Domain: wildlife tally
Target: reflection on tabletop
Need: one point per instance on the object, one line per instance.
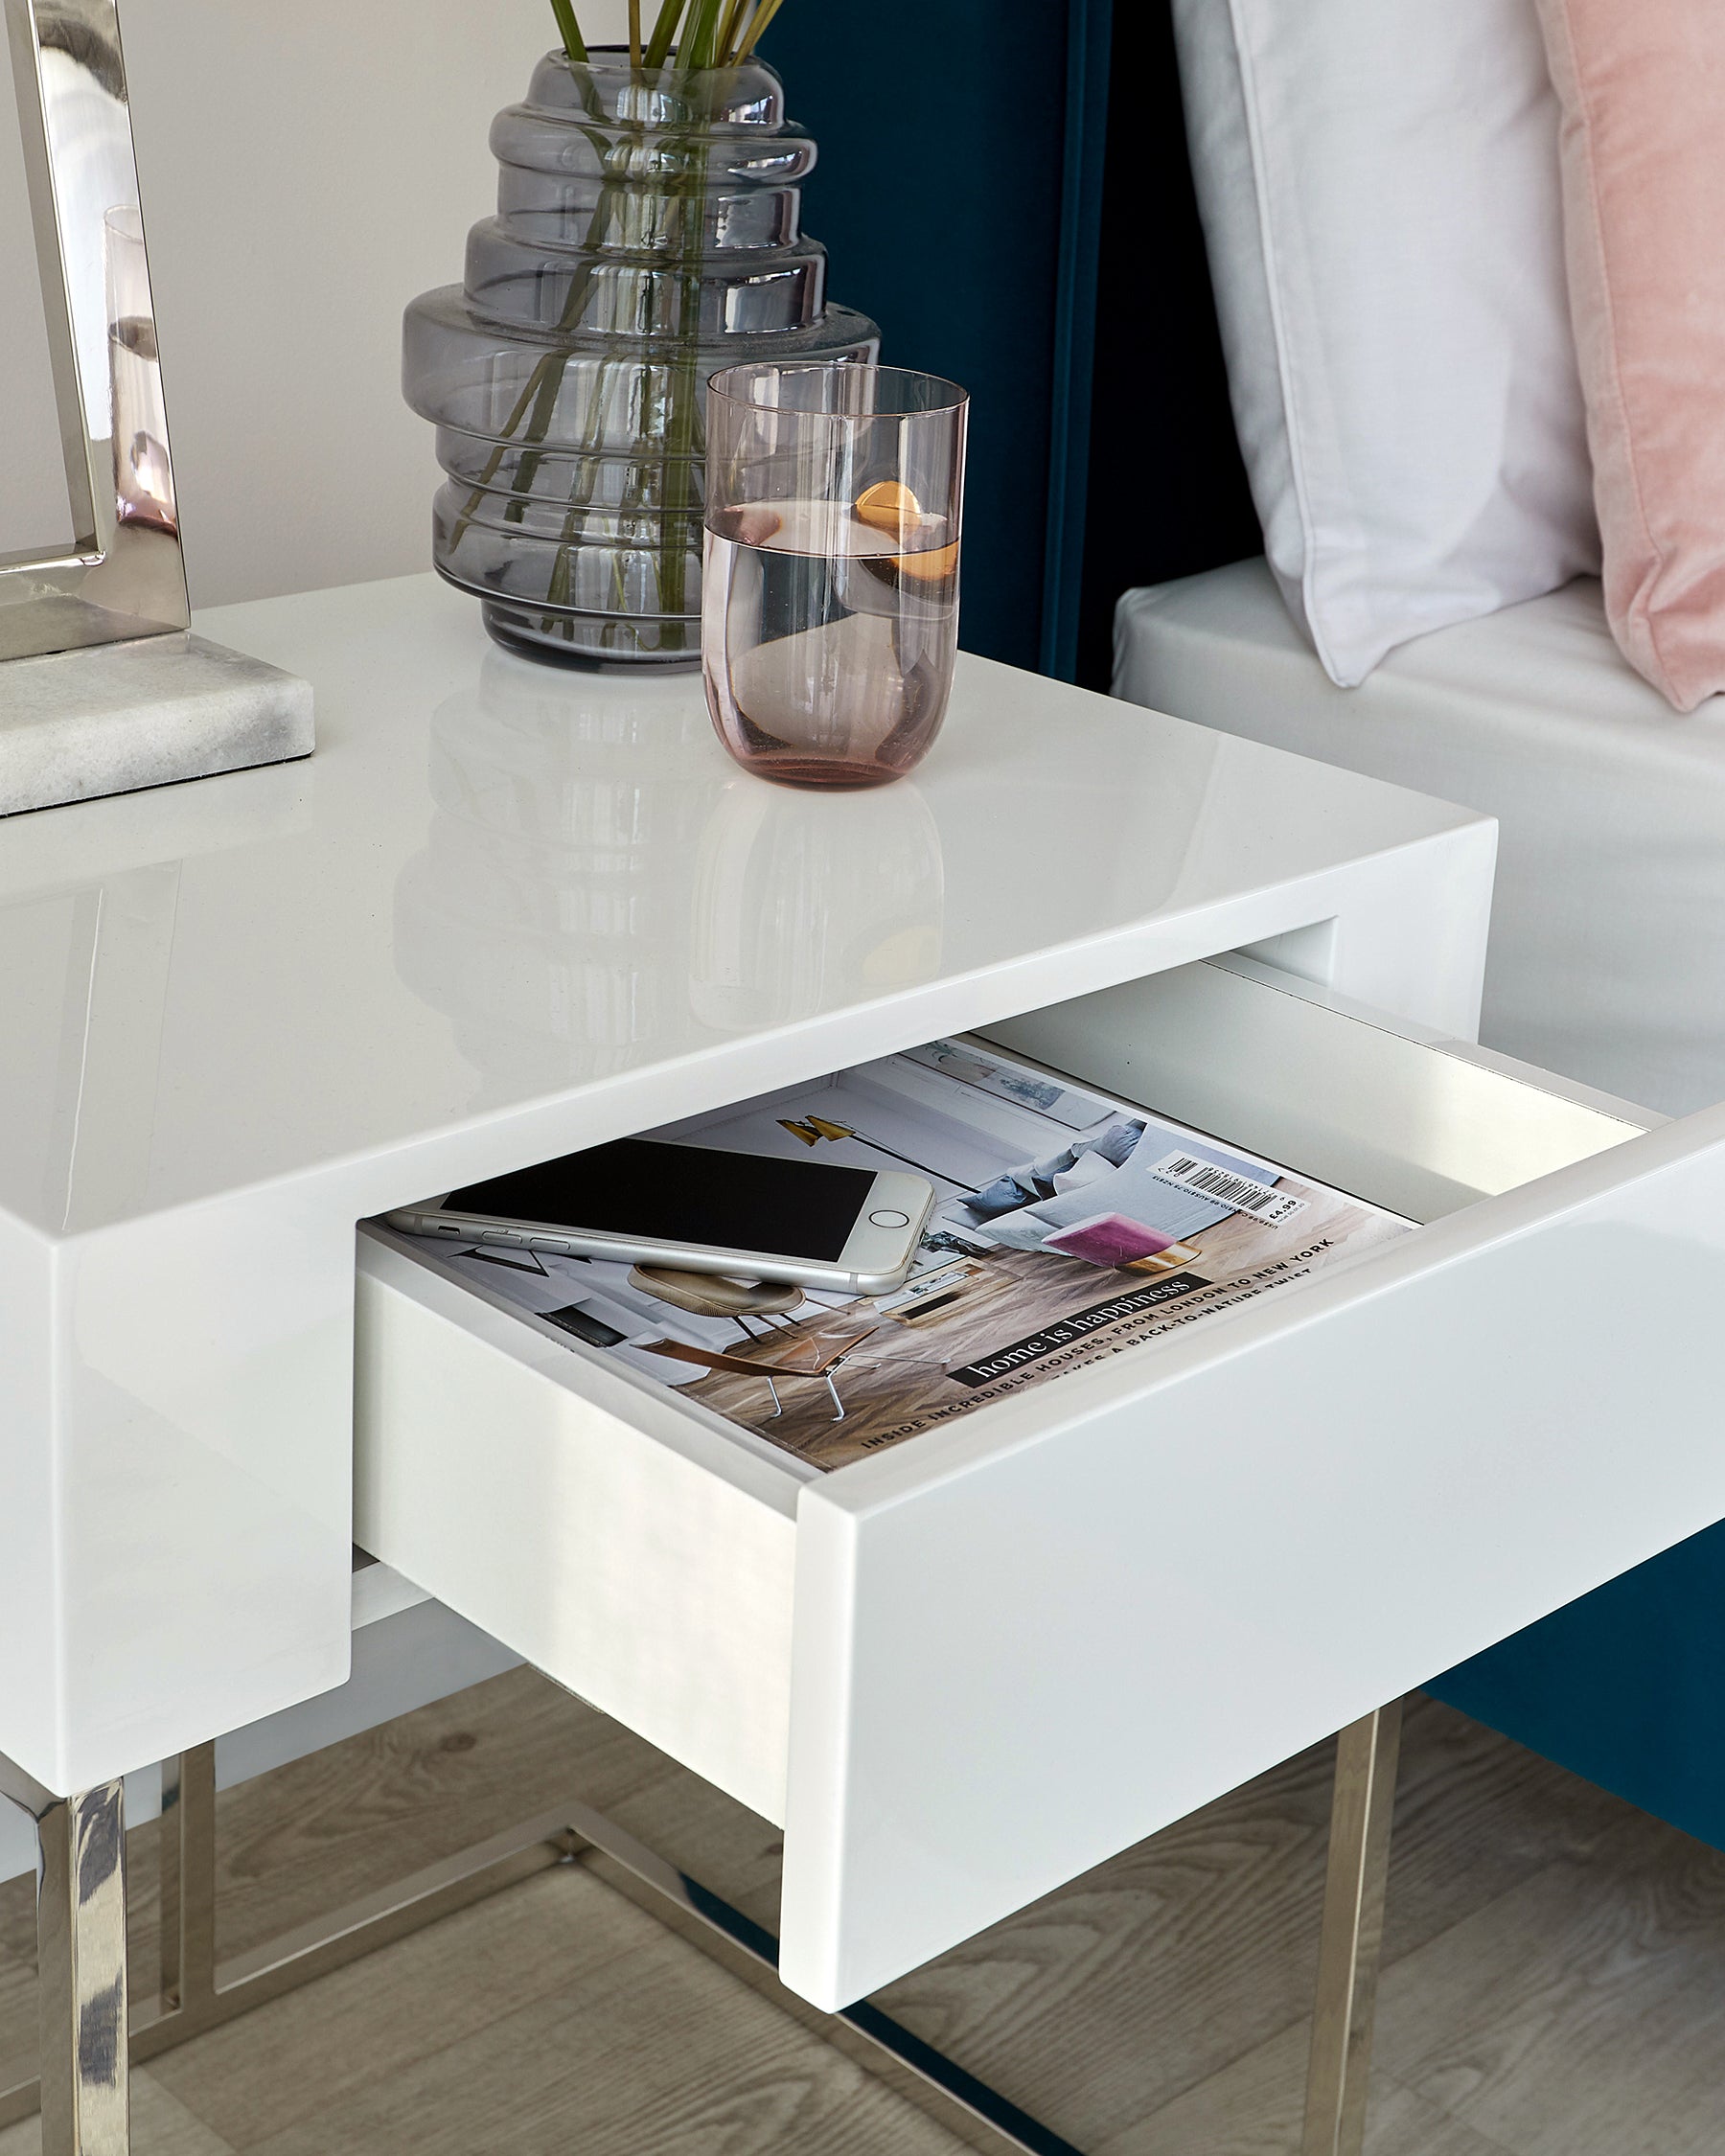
(596, 877)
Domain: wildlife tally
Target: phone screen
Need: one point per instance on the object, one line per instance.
(683, 1194)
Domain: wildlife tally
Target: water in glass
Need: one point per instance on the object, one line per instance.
(831, 630)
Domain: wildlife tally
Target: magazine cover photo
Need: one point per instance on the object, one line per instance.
(1067, 1226)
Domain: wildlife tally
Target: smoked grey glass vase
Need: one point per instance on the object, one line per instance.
(647, 233)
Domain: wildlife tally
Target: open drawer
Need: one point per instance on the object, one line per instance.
(968, 1667)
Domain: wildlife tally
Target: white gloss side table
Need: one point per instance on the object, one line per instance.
(504, 914)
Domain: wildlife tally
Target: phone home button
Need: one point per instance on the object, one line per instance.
(890, 1220)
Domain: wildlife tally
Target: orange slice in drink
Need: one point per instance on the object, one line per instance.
(888, 506)
(932, 566)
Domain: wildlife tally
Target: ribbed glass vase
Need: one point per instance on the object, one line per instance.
(647, 233)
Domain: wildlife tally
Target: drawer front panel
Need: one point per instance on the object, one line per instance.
(1022, 1647)
(630, 1571)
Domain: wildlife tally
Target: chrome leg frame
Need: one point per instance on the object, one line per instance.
(81, 1925)
(80, 1950)
(80, 1963)
(971, 2111)
(82, 2092)
(188, 1875)
(81, 1914)
(1352, 1934)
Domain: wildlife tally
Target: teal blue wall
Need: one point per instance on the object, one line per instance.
(1004, 184)
(1626, 1687)
(953, 144)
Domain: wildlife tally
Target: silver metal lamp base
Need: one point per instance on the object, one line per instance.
(78, 725)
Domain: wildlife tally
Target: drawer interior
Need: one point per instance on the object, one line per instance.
(1264, 1061)
(1238, 1050)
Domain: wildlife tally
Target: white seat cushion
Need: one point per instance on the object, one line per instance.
(1607, 956)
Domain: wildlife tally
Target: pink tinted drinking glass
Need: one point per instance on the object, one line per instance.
(830, 592)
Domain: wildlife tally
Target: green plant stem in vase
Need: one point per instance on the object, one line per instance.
(647, 234)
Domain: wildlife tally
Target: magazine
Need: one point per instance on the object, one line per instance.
(1066, 1226)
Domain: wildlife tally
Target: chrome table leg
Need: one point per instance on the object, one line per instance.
(80, 1946)
(188, 1873)
(1352, 1934)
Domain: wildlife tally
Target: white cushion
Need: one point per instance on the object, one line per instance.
(1379, 187)
(1607, 956)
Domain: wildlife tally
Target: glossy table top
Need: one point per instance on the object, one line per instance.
(497, 885)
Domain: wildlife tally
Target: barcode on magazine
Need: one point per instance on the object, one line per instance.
(1206, 1180)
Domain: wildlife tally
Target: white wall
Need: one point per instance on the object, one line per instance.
(306, 169)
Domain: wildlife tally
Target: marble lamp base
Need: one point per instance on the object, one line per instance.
(76, 726)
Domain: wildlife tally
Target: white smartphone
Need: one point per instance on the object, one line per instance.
(807, 1221)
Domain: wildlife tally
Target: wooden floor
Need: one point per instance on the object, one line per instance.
(1554, 1986)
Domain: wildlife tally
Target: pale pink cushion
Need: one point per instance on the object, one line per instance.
(1641, 84)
